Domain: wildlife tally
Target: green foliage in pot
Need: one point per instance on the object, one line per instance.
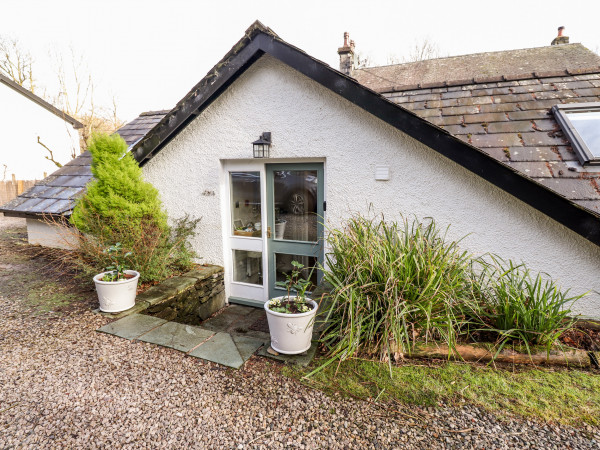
(118, 258)
(298, 285)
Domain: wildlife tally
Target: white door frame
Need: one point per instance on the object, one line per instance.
(245, 293)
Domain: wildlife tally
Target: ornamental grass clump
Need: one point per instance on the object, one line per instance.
(394, 284)
(522, 308)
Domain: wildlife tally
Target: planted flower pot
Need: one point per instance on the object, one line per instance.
(291, 333)
(117, 296)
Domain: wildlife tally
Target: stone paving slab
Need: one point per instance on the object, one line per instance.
(228, 318)
(302, 359)
(219, 349)
(177, 335)
(247, 345)
(132, 326)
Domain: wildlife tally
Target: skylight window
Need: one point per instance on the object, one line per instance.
(581, 124)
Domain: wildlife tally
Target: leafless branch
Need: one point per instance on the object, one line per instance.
(51, 157)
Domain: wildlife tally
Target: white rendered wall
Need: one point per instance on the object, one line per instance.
(22, 121)
(309, 121)
(41, 233)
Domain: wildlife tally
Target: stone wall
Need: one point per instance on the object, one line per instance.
(190, 298)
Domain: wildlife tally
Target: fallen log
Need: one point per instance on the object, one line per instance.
(570, 357)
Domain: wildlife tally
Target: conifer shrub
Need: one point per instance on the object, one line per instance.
(118, 195)
(120, 207)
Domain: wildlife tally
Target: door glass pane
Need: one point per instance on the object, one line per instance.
(245, 204)
(247, 267)
(283, 266)
(295, 194)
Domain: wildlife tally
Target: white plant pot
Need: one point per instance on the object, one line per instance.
(291, 333)
(280, 229)
(116, 296)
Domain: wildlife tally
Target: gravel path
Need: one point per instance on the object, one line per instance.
(64, 385)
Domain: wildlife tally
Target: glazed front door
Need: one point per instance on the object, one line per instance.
(295, 217)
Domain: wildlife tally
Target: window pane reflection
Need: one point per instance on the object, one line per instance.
(295, 193)
(245, 203)
(587, 125)
(247, 267)
(283, 266)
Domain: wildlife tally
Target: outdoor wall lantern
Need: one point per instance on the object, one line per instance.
(262, 147)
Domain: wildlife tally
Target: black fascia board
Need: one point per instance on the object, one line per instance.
(181, 117)
(557, 207)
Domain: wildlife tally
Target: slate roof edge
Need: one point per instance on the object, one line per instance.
(40, 101)
(571, 44)
(489, 79)
(259, 40)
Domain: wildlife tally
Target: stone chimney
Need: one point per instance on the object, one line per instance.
(347, 55)
(560, 39)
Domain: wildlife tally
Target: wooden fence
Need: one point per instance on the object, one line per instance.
(13, 188)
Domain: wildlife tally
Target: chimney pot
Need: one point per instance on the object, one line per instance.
(560, 39)
(346, 53)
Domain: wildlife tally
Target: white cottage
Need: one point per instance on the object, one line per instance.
(333, 146)
(27, 120)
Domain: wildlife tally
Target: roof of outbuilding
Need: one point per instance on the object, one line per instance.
(40, 101)
(56, 194)
(480, 68)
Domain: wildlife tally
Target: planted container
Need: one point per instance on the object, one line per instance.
(291, 333)
(117, 296)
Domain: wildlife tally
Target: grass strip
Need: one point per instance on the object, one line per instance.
(570, 397)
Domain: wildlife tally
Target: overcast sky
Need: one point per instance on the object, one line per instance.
(148, 54)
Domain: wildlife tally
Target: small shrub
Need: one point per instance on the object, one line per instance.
(393, 284)
(155, 253)
(119, 206)
(519, 306)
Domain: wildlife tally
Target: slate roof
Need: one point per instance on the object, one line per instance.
(512, 122)
(40, 101)
(480, 68)
(56, 194)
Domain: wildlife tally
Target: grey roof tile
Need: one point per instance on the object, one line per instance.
(575, 189)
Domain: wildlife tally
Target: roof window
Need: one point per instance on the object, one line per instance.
(581, 124)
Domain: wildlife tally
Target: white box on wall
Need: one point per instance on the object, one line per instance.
(382, 173)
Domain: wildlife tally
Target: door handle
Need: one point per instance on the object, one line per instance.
(268, 232)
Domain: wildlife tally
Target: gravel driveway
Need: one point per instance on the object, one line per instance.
(64, 385)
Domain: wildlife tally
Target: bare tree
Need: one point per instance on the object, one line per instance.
(16, 63)
(76, 98)
(363, 60)
(423, 49)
